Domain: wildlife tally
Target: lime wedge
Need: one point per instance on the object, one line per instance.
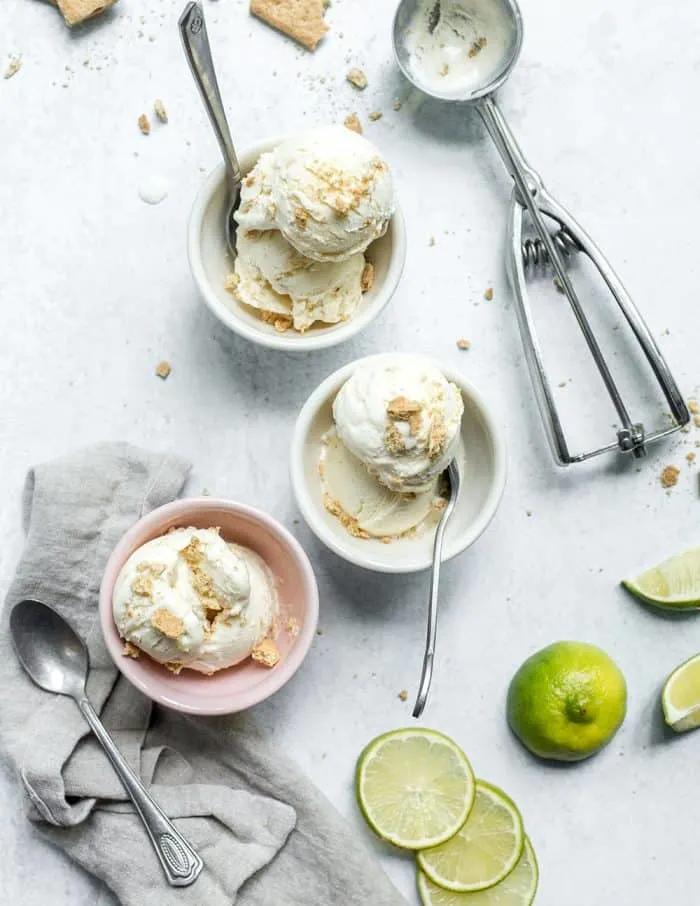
(415, 787)
(484, 850)
(516, 889)
(681, 696)
(672, 585)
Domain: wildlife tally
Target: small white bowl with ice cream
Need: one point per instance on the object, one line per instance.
(321, 242)
(369, 448)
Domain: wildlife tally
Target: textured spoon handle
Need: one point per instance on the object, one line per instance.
(179, 860)
(193, 31)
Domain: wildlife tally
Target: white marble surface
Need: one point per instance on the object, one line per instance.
(95, 290)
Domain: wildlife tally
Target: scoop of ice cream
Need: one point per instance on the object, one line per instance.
(271, 275)
(189, 599)
(401, 417)
(328, 191)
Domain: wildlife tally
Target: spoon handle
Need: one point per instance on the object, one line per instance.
(427, 671)
(180, 862)
(193, 31)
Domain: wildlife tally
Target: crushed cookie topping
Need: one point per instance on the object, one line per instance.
(301, 218)
(142, 585)
(393, 439)
(130, 650)
(351, 524)
(167, 623)
(401, 409)
(266, 653)
(367, 277)
(437, 437)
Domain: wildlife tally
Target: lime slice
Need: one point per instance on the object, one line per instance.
(681, 696)
(516, 889)
(672, 585)
(415, 787)
(484, 850)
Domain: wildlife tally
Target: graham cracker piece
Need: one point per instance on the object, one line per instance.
(130, 650)
(77, 11)
(167, 623)
(266, 653)
(300, 19)
(352, 122)
(402, 410)
(393, 440)
(367, 277)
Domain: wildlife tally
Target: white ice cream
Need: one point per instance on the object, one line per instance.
(271, 275)
(400, 417)
(190, 599)
(329, 192)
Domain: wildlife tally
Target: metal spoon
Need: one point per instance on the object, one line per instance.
(193, 31)
(453, 479)
(56, 659)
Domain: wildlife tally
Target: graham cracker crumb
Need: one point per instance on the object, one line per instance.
(477, 46)
(13, 67)
(144, 124)
(375, 115)
(669, 476)
(231, 283)
(402, 410)
(403, 695)
(352, 122)
(173, 668)
(357, 78)
(142, 585)
(691, 457)
(163, 369)
(437, 437)
(301, 218)
(488, 294)
(167, 623)
(386, 539)
(75, 12)
(694, 407)
(151, 569)
(396, 105)
(463, 344)
(393, 440)
(444, 69)
(302, 20)
(351, 524)
(131, 651)
(266, 653)
(292, 626)
(160, 111)
(696, 421)
(367, 278)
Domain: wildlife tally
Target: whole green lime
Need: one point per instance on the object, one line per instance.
(567, 701)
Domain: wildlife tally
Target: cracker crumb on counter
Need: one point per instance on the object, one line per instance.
(669, 476)
(357, 79)
(463, 344)
(397, 105)
(144, 124)
(75, 12)
(488, 293)
(375, 115)
(352, 122)
(160, 111)
(13, 67)
(691, 457)
(301, 20)
(163, 369)
(403, 695)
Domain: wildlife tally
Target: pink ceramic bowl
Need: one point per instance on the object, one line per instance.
(248, 683)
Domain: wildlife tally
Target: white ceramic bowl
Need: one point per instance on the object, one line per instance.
(211, 264)
(482, 459)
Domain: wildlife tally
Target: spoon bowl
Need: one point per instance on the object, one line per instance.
(457, 50)
(53, 655)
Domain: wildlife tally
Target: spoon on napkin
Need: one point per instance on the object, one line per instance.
(57, 660)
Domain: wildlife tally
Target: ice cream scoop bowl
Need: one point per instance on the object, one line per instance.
(463, 50)
(248, 683)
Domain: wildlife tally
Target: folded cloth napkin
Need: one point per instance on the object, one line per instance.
(267, 836)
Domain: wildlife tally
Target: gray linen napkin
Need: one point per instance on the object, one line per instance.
(267, 836)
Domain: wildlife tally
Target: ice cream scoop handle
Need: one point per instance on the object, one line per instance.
(193, 31)
(180, 862)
